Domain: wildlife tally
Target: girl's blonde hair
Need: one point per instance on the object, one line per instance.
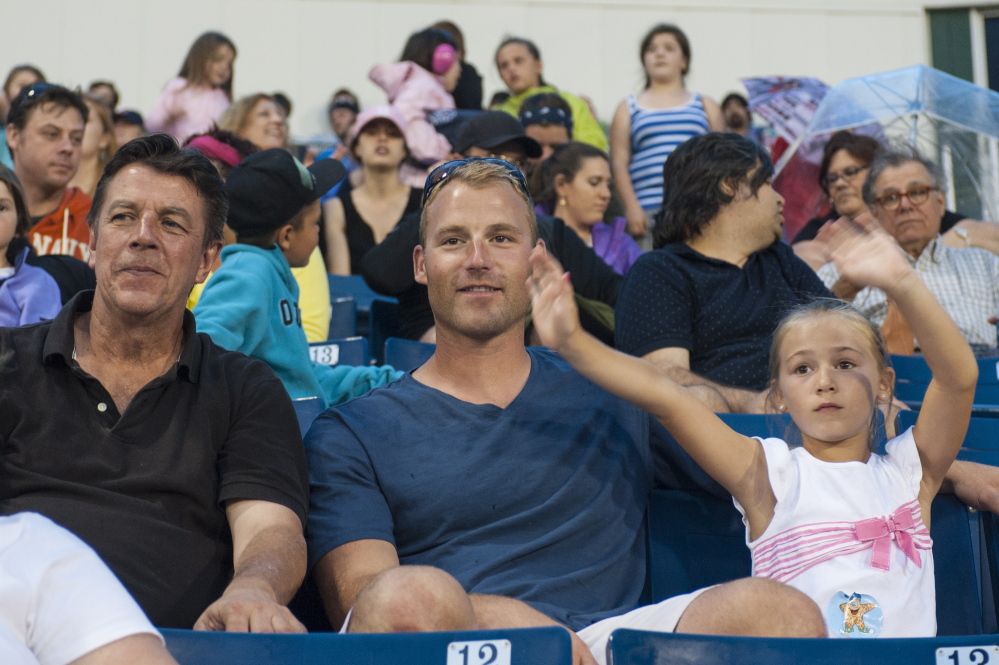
(876, 344)
(235, 117)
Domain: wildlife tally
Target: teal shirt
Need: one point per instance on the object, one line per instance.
(250, 305)
(5, 157)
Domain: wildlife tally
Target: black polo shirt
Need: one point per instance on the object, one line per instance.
(146, 488)
(723, 314)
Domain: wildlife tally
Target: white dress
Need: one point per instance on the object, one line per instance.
(850, 536)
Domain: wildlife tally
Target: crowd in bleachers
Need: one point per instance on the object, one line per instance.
(163, 275)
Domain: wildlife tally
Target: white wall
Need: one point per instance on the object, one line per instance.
(307, 48)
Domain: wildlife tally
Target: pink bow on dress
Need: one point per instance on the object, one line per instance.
(880, 531)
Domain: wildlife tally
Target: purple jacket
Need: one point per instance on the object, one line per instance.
(29, 296)
(611, 242)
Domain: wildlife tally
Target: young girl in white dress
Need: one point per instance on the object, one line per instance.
(848, 527)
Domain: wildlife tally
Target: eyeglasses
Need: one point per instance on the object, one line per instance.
(444, 171)
(847, 174)
(917, 196)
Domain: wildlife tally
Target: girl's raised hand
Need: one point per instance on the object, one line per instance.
(865, 254)
(554, 311)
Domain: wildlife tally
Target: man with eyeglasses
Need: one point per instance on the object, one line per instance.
(45, 134)
(904, 191)
(388, 266)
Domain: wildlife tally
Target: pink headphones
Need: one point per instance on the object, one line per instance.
(444, 57)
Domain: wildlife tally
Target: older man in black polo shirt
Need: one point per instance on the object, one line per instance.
(704, 305)
(179, 462)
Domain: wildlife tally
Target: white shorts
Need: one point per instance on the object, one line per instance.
(661, 617)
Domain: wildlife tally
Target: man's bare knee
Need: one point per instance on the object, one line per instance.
(753, 606)
(410, 599)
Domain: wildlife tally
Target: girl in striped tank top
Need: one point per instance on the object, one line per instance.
(648, 126)
(844, 525)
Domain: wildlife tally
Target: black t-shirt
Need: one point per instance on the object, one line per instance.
(147, 489)
(360, 236)
(723, 314)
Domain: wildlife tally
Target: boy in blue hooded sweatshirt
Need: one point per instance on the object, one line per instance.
(251, 303)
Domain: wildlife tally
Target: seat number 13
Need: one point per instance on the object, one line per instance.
(966, 655)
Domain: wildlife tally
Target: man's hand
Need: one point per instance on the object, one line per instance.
(976, 485)
(268, 553)
(248, 606)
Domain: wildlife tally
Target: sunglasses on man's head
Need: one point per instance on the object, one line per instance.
(442, 172)
(28, 93)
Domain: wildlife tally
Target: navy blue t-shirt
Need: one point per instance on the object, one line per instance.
(723, 314)
(542, 501)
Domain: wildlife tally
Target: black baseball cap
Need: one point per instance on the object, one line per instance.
(493, 128)
(270, 187)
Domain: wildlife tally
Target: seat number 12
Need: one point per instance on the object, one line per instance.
(485, 652)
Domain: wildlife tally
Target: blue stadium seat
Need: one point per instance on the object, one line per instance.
(354, 286)
(350, 351)
(406, 354)
(981, 443)
(527, 646)
(696, 539)
(635, 647)
(383, 324)
(343, 318)
(307, 408)
(913, 376)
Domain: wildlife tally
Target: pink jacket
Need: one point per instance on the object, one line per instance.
(415, 92)
(182, 111)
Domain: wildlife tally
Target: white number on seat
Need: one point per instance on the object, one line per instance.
(966, 655)
(325, 354)
(485, 652)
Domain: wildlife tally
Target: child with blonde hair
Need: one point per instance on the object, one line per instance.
(848, 527)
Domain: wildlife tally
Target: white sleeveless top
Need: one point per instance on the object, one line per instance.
(850, 536)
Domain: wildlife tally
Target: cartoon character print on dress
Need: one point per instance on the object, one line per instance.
(854, 615)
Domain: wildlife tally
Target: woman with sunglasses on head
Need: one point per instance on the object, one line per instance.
(648, 126)
(193, 100)
(419, 84)
(519, 63)
(359, 218)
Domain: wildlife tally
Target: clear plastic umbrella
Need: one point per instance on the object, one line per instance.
(951, 121)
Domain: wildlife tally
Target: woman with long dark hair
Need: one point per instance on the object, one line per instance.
(648, 126)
